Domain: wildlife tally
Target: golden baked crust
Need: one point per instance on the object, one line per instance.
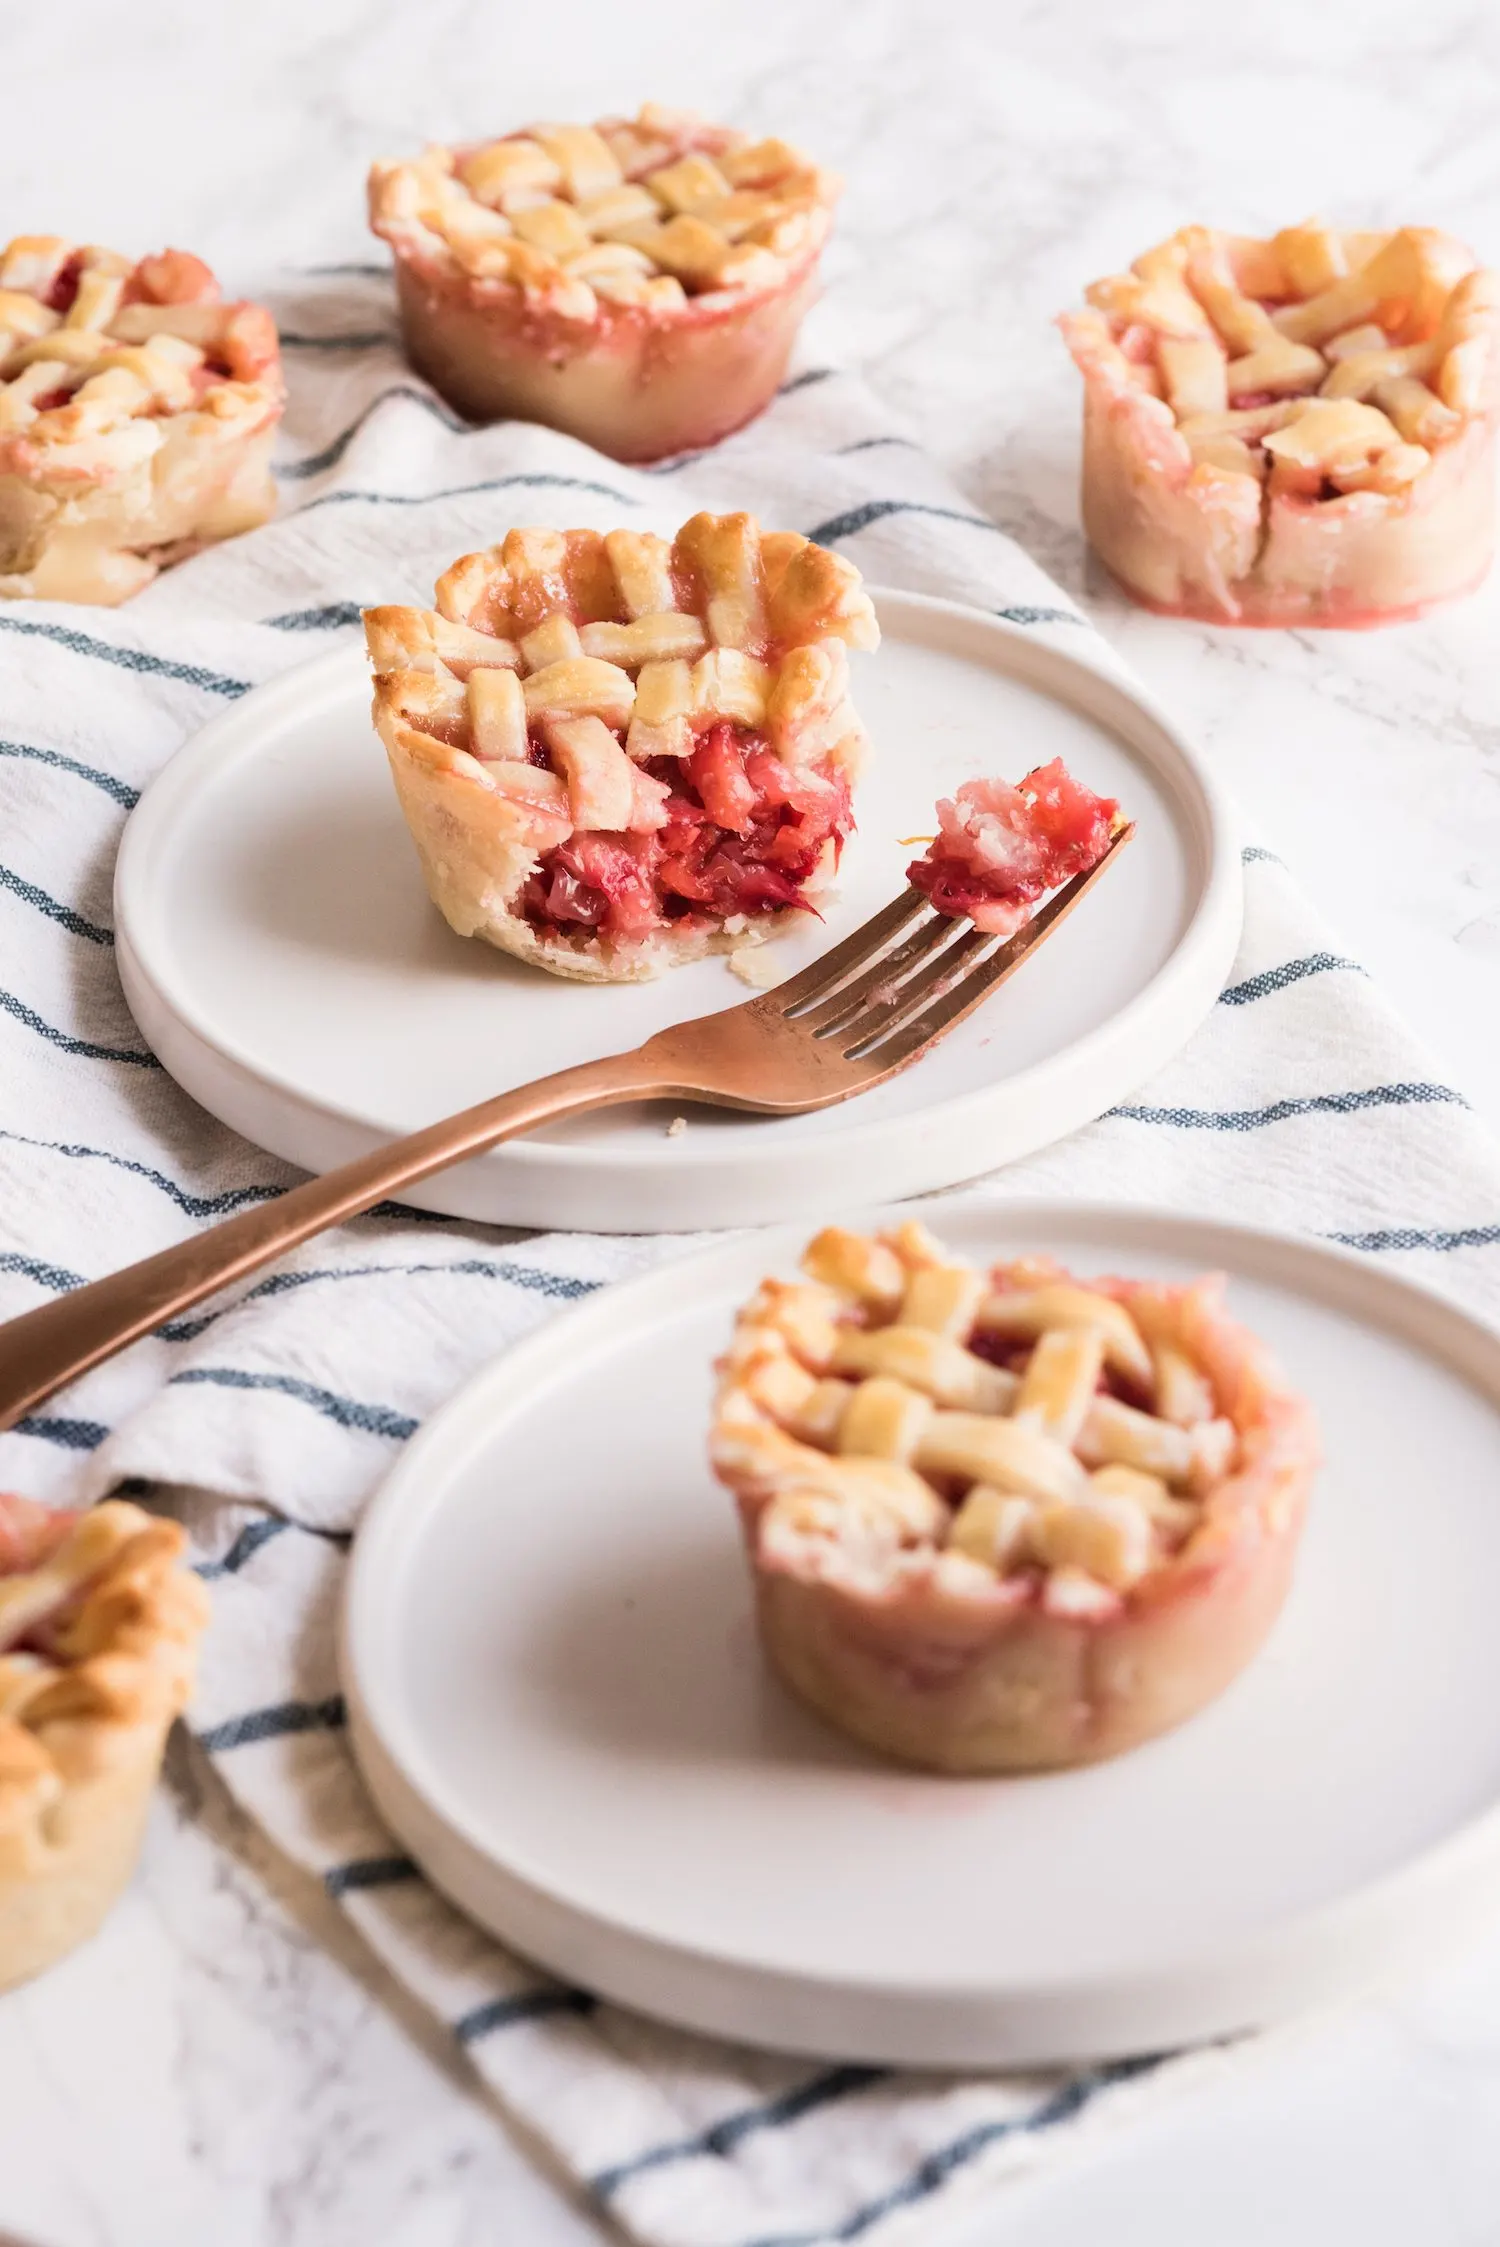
(1292, 431)
(99, 1626)
(577, 693)
(136, 417)
(637, 282)
(969, 1549)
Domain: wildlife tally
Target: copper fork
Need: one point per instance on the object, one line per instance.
(854, 1018)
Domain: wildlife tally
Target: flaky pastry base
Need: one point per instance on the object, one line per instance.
(102, 542)
(637, 384)
(80, 1756)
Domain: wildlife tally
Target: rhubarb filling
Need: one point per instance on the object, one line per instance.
(1000, 849)
(618, 752)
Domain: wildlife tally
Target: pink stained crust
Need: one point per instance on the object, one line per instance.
(1193, 540)
(638, 383)
(31, 1533)
(961, 1680)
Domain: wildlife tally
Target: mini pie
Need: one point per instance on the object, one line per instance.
(136, 417)
(1292, 431)
(638, 283)
(1008, 1520)
(1000, 849)
(99, 1625)
(616, 752)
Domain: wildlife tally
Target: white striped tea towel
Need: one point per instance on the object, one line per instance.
(1299, 1102)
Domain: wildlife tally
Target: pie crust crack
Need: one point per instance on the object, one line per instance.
(1298, 430)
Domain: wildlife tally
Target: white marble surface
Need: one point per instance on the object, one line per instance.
(223, 2064)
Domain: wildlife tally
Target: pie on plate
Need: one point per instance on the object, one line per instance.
(99, 1626)
(638, 283)
(1298, 430)
(999, 849)
(1006, 1520)
(137, 412)
(617, 752)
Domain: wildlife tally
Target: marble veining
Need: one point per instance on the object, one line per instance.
(225, 2063)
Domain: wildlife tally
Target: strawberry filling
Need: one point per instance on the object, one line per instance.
(743, 833)
(999, 849)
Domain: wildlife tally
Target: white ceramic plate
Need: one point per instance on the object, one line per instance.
(280, 954)
(558, 1701)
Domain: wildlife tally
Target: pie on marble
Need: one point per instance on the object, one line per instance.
(99, 1624)
(999, 849)
(638, 282)
(1006, 1520)
(137, 412)
(617, 752)
(1298, 430)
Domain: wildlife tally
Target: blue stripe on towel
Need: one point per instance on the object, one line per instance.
(720, 2138)
(192, 1205)
(1278, 978)
(128, 659)
(531, 2005)
(121, 793)
(1411, 1236)
(245, 1547)
(345, 1412)
(64, 915)
(278, 1723)
(368, 1872)
(70, 1435)
(464, 491)
(332, 617)
(86, 1047)
(373, 339)
(1029, 615)
(876, 510)
(333, 452)
(1279, 1111)
(932, 2173)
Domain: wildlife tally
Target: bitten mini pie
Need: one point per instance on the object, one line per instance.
(136, 417)
(616, 752)
(638, 283)
(1000, 1521)
(99, 1626)
(999, 849)
(1292, 431)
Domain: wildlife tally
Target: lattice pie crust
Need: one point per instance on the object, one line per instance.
(1006, 1520)
(1292, 431)
(136, 417)
(637, 282)
(99, 1625)
(616, 752)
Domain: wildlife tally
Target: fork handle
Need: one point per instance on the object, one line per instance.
(45, 1348)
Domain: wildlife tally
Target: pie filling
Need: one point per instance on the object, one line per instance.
(626, 747)
(1000, 849)
(742, 835)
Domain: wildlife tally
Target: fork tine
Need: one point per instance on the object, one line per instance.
(881, 982)
(818, 979)
(885, 1010)
(902, 1039)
